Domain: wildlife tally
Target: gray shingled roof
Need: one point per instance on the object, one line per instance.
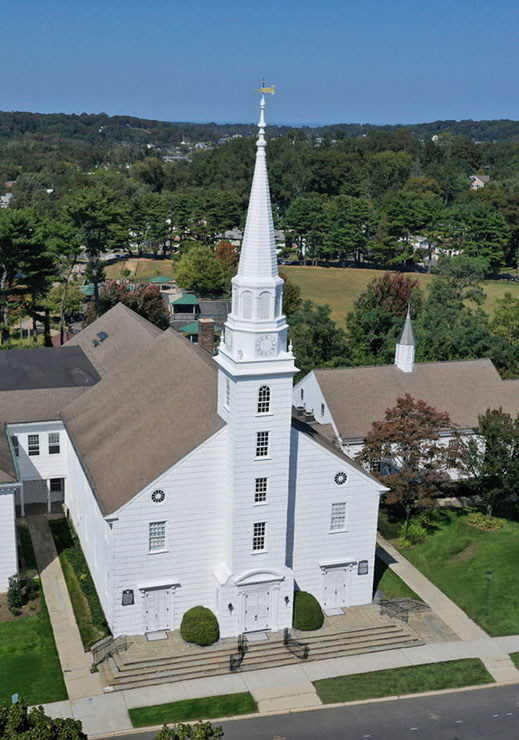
(357, 396)
(126, 333)
(143, 418)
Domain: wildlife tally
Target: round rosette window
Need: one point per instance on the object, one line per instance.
(158, 496)
(341, 478)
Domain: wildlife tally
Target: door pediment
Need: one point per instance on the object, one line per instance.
(251, 577)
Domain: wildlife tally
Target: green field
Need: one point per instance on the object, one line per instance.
(456, 557)
(29, 660)
(400, 681)
(225, 705)
(339, 287)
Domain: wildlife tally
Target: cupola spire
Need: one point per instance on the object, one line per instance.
(406, 345)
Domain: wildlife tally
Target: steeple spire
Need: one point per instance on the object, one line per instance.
(406, 345)
(258, 253)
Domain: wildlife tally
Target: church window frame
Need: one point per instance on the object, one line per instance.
(262, 444)
(264, 400)
(302, 394)
(54, 443)
(259, 537)
(338, 517)
(16, 445)
(322, 409)
(260, 490)
(156, 536)
(33, 444)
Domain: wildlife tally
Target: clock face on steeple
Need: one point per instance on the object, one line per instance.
(266, 344)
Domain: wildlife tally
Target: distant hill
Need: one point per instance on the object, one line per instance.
(103, 130)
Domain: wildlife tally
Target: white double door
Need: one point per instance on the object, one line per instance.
(257, 609)
(158, 609)
(336, 586)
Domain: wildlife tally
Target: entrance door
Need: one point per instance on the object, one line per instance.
(157, 609)
(335, 587)
(256, 610)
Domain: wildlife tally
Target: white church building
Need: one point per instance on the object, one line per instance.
(189, 478)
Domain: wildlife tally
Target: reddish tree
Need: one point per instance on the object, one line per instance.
(145, 300)
(407, 453)
(393, 292)
(227, 254)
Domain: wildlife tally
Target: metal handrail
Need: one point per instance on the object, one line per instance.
(235, 661)
(106, 647)
(299, 649)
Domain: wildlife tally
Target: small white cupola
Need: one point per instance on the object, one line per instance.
(406, 346)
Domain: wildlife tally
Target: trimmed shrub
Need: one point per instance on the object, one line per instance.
(199, 625)
(14, 595)
(308, 614)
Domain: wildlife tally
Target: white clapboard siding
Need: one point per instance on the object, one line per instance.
(8, 550)
(311, 544)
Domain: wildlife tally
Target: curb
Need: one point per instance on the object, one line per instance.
(273, 713)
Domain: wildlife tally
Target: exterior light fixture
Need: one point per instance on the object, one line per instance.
(230, 607)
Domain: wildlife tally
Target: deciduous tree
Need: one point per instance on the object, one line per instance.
(406, 452)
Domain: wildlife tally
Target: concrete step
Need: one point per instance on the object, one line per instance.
(122, 674)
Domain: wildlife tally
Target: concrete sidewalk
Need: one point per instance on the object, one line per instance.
(496, 660)
(75, 663)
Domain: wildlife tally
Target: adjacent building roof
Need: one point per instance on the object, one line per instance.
(46, 367)
(188, 299)
(357, 396)
(137, 416)
(161, 279)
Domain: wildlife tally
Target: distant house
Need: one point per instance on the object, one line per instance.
(478, 181)
(5, 199)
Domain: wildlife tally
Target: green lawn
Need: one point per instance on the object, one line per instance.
(339, 287)
(398, 681)
(515, 658)
(225, 705)
(456, 556)
(141, 270)
(391, 584)
(89, 614)
(29, 663)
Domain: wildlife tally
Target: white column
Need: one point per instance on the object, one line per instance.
(47, 482)
(22, 501)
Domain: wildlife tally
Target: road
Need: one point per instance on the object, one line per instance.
(484, 713)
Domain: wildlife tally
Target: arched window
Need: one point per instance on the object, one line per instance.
(264, 306)
(246, 304)
(227, 392)
(264, 400)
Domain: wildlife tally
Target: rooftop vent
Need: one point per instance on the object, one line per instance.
(102, 336)
(95, 343)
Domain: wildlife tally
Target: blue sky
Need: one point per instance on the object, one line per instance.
(376, 61)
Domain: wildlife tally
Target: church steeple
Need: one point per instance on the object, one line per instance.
(256, 329)
(406, 346)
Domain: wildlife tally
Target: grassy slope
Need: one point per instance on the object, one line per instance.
(141, 269)
(515, 658)
(398, 681)
(226, 705)
(456, 557)
(29, 663)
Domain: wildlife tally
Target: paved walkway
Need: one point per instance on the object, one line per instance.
(75, 663)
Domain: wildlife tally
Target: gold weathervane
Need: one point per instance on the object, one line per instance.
(271, 90)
